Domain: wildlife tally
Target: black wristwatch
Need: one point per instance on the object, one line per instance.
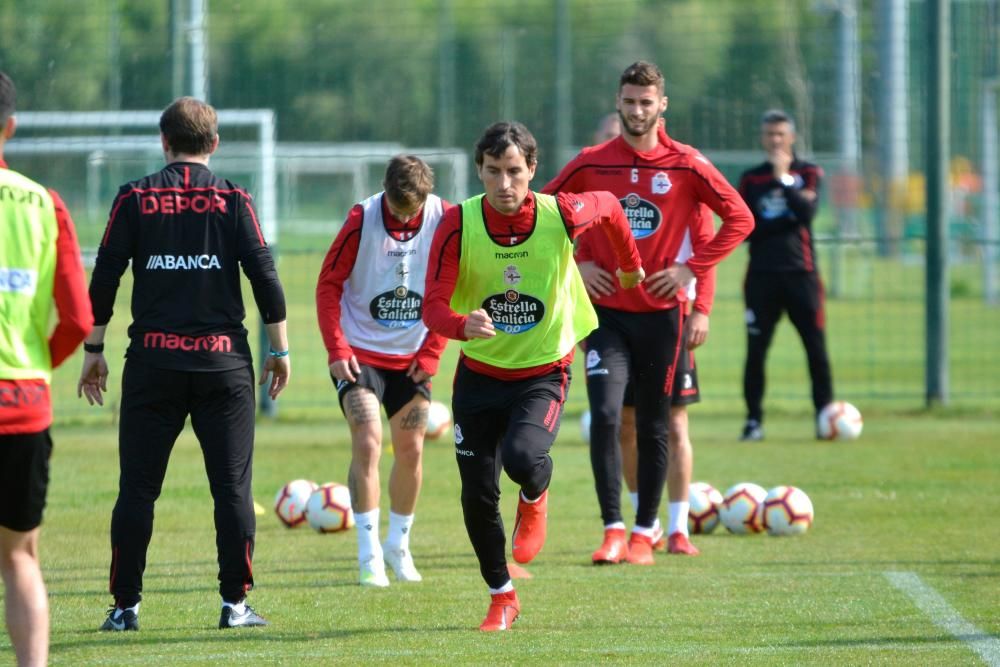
(97, 348)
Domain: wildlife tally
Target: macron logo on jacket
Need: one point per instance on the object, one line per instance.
(183, 262)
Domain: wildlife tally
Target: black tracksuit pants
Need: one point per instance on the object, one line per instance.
(768, 295)
(155, 404)
(508, 425)
(643, 348)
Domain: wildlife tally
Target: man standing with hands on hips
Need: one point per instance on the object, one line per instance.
(668, 191)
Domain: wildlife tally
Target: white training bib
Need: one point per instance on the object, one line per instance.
(383, 299)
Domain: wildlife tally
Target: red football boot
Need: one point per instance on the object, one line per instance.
(678, 543)
(529, 528)
(640, 550)
(614, 549)
(504, 610)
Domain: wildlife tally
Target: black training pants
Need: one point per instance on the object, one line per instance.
(155, 403)
(509, 425)
(767, 295)
(643, 348)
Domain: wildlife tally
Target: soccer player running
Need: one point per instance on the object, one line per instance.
(665, 187)
(782, 192)
(40, 268)
(502, 280)
(369, 302)
(186, 232)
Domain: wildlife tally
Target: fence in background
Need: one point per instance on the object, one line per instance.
(852, 72)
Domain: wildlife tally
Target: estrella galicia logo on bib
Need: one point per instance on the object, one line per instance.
(643, 217)
(513, 312)
(398, 309)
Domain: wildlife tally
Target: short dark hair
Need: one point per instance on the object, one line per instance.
(408, 181)
(498, 137)
(190, 126)
(8, 97)
(642, 73)
(774, 116)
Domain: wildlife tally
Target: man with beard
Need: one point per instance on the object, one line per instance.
(668, 191)
(686, 391)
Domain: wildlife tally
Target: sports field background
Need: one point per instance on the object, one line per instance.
(901, 566)
(914, 495)
(445, 69)
(875, 336)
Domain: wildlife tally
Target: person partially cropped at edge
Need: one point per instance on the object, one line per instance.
(187, 233)
(502, 280)
(40, 269)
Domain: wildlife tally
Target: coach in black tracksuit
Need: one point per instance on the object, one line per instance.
(782, 193)
(186, 232)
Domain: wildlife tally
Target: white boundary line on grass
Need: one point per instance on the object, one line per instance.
(945, 616)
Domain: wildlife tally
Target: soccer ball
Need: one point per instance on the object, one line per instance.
(438, 420)
(329, 508)
(703, 515)
(290, 503)
(585, 426)
(787, 511)
(839, 421)
(741, 510)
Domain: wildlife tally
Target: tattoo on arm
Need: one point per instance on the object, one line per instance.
(415, 419)
(360, 407)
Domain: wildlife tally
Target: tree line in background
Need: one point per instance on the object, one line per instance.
(435, 72)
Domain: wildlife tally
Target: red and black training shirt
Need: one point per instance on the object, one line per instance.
(187, 233)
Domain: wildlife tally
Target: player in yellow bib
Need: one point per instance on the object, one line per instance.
(502, 280)
(44, 316)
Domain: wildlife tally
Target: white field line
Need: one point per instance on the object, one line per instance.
(945, 616)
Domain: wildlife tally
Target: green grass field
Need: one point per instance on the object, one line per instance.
(916, 494)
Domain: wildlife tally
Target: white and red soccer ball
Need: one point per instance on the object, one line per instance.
(839, 420)
(290, 502)
(705, 503)
(742, 508)
(438, 420)
(787, 511)
(328, 509)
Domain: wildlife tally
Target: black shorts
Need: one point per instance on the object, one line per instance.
(394, 389)
(24, 479)
(685, 391)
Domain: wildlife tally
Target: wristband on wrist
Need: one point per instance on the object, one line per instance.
(274, 353)
(95, 348)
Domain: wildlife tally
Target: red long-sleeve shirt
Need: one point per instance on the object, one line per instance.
(580, 212)
(337, 268)
(667, 192)
(26, 405)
